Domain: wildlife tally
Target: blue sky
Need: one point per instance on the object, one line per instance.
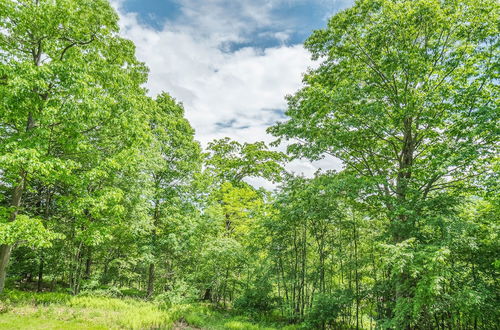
(230, 62)
(295, 18)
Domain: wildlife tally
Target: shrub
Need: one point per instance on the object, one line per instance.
(180, 293)
(131, 292)
(256, 299)
(328, 307)
(101, 291)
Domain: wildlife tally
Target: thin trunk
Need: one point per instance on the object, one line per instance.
(6, 249)
(151, 280)
(151, 272)
(224, 288)
(208, 294)
(279, 291)
(88, 263)
(40, 274)
(105, 273)
(303, 279)
(356, 279)
(294, 275)
(284, 281)
(76, 276)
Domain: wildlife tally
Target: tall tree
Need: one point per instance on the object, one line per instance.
(235, 205)
(69, 87)
(406, 95)
(178, 159)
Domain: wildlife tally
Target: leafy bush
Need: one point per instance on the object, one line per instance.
(132, 293)
(328, 307)
(257, 298)
(94, 290)
(180, 293)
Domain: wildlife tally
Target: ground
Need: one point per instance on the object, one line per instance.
(26, 310)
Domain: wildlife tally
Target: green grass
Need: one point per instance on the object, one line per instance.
(26, 310)
(13, 321)
(204, 317)
(22, 310)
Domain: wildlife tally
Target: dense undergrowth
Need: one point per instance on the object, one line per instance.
(56, 310)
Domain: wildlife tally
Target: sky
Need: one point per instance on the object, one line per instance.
(230, 62)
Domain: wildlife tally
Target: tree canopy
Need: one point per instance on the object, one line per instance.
(104, 190)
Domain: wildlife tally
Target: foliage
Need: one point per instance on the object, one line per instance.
(327, 308)
(258, 298)
(411, 112)
(232, 161)
(65, 311)
(26, 231)
(180, 293)
(113, 213)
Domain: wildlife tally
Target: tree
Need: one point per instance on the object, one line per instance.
(178, 159)
(406, 95)
(231, 161)
(70, 89)
(319, 243)
(235, 206)
(228, 164)
(105, 190)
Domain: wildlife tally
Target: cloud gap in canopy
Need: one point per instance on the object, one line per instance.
(230, 62)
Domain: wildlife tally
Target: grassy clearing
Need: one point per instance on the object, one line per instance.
(24, 310)
(204, 317)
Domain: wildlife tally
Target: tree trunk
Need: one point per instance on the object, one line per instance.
(6, 249)
(208, 295)
(40, 274)
(88, 263)
(356, 275)
(151, 280)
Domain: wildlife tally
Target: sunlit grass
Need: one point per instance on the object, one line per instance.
(25, 310)
(204, 317)
(56, 310)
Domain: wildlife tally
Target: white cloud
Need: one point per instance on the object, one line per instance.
(224, 93)
(217, 86)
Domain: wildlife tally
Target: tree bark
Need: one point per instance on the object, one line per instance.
(40, 274)
(151, 280)
(6, 249)
(88, 263)
(356, 275)
(208, 295)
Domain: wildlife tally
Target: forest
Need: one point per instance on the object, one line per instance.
(113, 215)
